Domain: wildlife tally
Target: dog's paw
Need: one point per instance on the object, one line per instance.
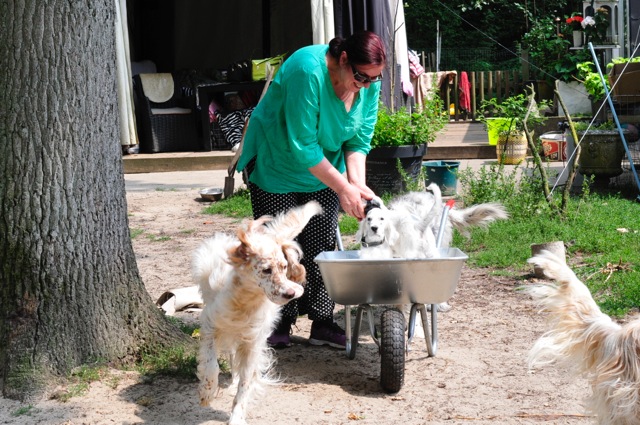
(207, 395)
(237, 417)
(442, 307)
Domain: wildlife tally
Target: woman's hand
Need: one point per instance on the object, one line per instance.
(351, 201)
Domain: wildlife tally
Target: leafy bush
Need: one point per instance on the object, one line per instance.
(401, 128)
(514, 108)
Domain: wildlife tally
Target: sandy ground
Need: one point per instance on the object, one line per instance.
(479, 374)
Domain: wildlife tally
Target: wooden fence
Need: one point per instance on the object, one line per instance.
(483, 85)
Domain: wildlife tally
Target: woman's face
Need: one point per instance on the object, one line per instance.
(363, 75)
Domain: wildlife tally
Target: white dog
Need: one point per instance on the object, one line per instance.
(244, 281)
(409, 226)
(589, 343)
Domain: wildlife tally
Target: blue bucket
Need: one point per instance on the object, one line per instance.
(442, 173)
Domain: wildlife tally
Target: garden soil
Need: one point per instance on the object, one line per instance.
(478, 376)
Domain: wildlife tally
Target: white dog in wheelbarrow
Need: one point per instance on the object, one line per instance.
(409, 226)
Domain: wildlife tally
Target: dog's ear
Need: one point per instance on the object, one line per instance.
(360, 231)
(295, 270)
(375, 202)
(289, 224)
(390, 231)
(240, 254)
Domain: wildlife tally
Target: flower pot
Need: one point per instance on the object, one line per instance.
(601, 154)
(554, 146)
(382, 167)
(495, 126)
(442, 173)
(577, 39)
(512, 147)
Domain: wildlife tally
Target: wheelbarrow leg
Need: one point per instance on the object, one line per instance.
(351, 336)
(431, 338)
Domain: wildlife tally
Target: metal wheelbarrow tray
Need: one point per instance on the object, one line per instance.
(351, 280)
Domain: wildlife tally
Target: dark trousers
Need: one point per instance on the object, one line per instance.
(318, 236)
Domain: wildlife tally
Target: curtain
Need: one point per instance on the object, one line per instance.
(400, 47)
(128, 134)
(385, 18)
(322, 22)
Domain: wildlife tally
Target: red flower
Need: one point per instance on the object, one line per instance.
(574, 22)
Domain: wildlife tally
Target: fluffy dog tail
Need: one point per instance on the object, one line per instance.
(289, 224)
(587, 342)
(480, 215)
(210, 264)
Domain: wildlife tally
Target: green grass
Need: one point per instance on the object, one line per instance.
(237, 206)
(79, 380)
(600, 233)
(158, 238)
(606, 258)
(23, 411)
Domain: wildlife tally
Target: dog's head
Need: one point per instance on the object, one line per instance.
(268, 255)
(377, 228)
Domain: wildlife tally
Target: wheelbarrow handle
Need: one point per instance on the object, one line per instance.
(339, 239)
(443, 221)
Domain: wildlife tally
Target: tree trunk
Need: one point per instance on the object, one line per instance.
(70, 290)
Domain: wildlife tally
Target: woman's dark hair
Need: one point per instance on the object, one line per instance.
(362, 47)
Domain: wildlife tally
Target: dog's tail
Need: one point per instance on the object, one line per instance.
(436, 209)
(289, 224)
(210, 264)
(586, 341)
(480, 215)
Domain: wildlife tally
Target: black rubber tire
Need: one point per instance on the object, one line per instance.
(392, 350)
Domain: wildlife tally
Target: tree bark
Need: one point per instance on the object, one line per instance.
(70, 290)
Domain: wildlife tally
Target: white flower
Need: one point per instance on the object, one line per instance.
(588, 21)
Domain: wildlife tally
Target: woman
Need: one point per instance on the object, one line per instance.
(314, 123)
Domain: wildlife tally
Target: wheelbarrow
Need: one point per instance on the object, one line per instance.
(351, 280)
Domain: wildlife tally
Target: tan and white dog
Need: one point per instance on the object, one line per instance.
(244, 281)
(588, 343)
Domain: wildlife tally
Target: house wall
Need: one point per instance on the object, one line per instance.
(205, 34)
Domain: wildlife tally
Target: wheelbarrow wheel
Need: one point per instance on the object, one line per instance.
(392, 350)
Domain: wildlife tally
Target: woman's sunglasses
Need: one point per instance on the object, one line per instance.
(364, 79)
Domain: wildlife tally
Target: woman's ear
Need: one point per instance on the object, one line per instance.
(344, 59)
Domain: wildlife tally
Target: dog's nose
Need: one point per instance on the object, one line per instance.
(289, 294)
(374, 228)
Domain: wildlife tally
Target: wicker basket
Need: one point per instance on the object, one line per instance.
(218, 141)
(173, 131)
(511, 148)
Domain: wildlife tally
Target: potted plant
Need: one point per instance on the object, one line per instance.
(601, 150)
(588, 75)
(575, 22)
(399, 143)
(511, 144)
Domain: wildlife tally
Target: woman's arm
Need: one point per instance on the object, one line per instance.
(356, 173)
(349, 194)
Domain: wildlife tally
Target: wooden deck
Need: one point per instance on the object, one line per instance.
(459, 140)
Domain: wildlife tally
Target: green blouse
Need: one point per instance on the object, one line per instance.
(300, 121)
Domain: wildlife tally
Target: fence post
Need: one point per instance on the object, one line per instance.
(473, 96)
